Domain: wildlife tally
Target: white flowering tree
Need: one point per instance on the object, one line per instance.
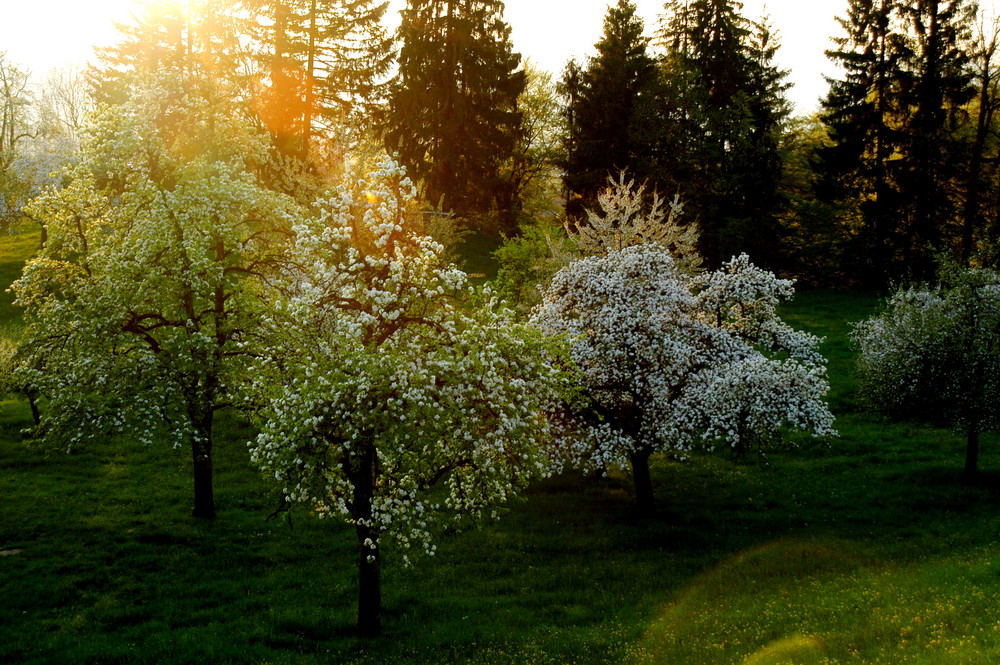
(384, 381)
(933, 355)
(670, 359)
(139, 306)
(628, 217)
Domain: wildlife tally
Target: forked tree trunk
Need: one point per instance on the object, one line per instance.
(645, 503)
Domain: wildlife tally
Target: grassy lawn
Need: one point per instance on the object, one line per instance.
(865, 549)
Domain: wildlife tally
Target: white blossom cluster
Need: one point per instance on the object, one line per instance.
(744, 299)
(387, 376)
(669, 359)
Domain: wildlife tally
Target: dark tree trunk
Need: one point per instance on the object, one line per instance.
(36, 415)
(645, 503)
(369, 570)
(972, 453)
(369, 586)
(204, 494)
(202, 415)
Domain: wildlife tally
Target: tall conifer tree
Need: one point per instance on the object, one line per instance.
(936, 87)
(453, 115)
(740, 111)
(892, 117)
(199, 40)
(323, 64)
(605, 125)
(863, 114)
(981, 168)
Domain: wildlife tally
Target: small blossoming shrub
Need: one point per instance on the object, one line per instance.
(933, 355)
(387, 375)
(628, 218)
(671, 359)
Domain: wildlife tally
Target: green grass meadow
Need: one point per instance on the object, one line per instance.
(865, 549)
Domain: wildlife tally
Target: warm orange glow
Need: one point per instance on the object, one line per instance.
(280, 101)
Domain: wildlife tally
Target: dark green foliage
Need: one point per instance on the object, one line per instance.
(892, 117)
(981, 172)
(607, 107)
(526, 264)
(936, 86)
(725, 95)
(863, 116)
(820, 249)
(453, 116)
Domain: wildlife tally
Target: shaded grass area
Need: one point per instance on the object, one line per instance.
(866, 549)
(823, 553)
(475, 255)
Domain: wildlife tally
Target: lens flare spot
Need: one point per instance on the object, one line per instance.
(797, 650)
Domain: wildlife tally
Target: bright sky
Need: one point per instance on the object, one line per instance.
(42, 34)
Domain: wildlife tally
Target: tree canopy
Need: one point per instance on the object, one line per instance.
(138, 305)
(933, 355)
(383, 378)
(670, 359)
(604, 104)
(453, 115)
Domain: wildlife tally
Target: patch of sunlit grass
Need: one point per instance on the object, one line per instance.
(15, 249)
(808, 602)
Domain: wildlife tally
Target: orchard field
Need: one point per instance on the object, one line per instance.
(869, 548)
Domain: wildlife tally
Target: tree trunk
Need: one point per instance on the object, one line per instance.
(369, 585)
(369, 556)
(201, 453)
(645, 503)
(36, 415)
(204, 495)
(972, 453)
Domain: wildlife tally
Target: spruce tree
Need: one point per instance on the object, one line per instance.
(453, 117)
(936, 87)
(981, 167)
(752, 212)
(892, 119)
(323, 65)
(605, 123)
(863, 115)
(198, 40)
(726, 63)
